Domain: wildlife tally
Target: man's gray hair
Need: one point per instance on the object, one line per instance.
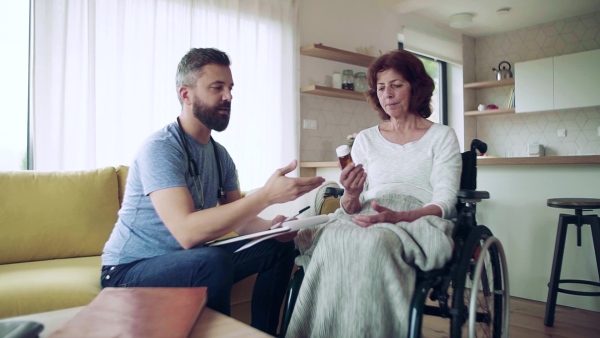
(191, 63)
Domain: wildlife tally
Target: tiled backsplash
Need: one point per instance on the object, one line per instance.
(508, 135)
(336, 119)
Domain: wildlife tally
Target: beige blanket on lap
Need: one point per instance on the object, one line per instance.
(359, 281)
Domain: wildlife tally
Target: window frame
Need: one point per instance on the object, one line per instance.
(442, 85)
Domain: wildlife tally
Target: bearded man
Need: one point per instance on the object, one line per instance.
(169, 210)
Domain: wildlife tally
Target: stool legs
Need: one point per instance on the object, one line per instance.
(559, 249)
(596, 239)
(561, 235)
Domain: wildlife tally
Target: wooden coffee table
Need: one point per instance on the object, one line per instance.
(209, 324)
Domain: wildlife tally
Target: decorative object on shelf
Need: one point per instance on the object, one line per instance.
(511, 99)
(481, 107)
(360, 82)
(350, 139)
(492, 106)
(336, 80)
(348, 79)
(502, 72)
(535, 150)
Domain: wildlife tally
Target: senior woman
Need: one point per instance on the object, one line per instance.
(399, 197)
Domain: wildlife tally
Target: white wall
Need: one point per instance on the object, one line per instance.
(517, 214)
(348, 24)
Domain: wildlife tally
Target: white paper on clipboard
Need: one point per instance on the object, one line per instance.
(288, 226)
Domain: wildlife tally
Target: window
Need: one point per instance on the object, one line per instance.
(437, 70)
(14, 84)
(439, 100)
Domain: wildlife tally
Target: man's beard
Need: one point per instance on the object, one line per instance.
(211, 117)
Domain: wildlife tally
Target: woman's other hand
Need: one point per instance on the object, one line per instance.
(383, 215)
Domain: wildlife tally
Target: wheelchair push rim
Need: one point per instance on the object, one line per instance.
(479, 269)
(489, 290)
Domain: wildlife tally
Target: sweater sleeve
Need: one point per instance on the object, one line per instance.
(445, 173)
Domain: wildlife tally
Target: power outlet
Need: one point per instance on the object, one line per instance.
(561, 132)
(309, 124)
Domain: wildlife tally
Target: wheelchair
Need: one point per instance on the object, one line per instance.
(472, 289)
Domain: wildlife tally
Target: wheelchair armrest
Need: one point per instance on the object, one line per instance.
(473, 195)
(335, 192)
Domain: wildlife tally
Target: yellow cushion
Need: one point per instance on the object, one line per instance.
(48, 285)
(47, 215)
(330, 204)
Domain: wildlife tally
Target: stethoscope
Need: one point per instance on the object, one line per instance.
(193, 168)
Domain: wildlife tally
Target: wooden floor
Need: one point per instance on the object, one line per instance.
(527, 320)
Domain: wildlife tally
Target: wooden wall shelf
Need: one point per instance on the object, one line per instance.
(587, 159)
(490, 84)
(489, 112)
(334, 54)
(333, 92)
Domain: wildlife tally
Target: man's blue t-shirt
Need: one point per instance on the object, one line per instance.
(162, 163)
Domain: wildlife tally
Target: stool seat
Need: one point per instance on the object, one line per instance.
(574, 203)
(579, 205)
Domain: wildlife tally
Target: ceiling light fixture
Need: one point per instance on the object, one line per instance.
(461, 20)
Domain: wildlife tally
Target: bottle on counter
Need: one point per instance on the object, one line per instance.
(343, 154)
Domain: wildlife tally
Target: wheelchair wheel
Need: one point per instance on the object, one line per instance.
(480, 303)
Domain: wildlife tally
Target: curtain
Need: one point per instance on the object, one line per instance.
(103, 78)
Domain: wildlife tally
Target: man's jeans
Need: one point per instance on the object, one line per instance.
(217, 268)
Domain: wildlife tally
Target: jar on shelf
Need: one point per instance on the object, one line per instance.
(360, 82)
(337, 80)
(348, 79)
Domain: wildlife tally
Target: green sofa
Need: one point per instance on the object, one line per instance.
(53, 226)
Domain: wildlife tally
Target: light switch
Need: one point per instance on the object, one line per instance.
(561, 132)
(309, 124)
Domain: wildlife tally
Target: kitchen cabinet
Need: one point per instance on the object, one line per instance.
(535, 86)
(577, 80)
(489, 84)
(333, 54)
(560, 82)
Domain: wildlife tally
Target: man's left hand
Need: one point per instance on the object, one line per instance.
(286, 237)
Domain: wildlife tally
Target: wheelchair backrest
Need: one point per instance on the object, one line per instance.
(468, 175)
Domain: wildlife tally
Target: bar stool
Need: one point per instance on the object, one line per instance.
(579, 205)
